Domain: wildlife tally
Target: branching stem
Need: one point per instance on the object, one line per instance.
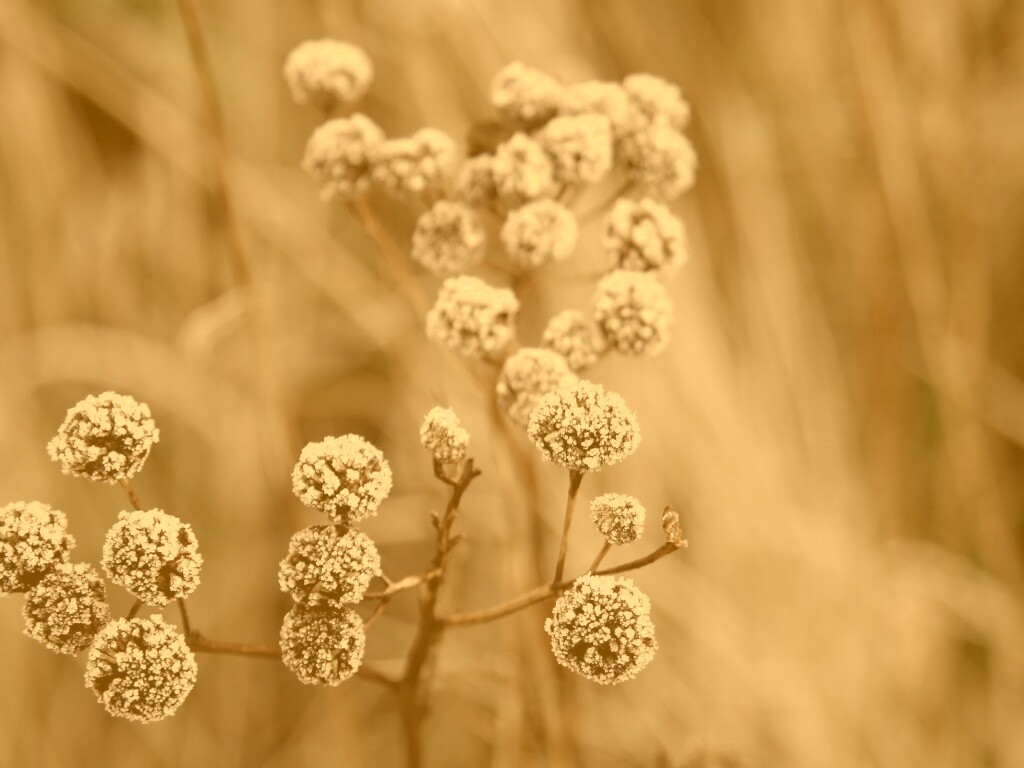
(575, 478)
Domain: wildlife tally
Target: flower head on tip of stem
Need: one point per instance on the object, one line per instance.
(66, 609)
(328, 72)
(33, 540)
(619, 517)
(539, 233)
(575, 337)
(644, 236)
(338, 155)
(414, 167)
(344, 477)
(524, 95)
(322, 646)
(580, 147)
(473, 318)
(443, 435)
(526, 376)
(449, 238)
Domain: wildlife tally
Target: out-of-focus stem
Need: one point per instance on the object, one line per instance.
(605, 549)
(575, 478)
(186, 625)
(132, 496)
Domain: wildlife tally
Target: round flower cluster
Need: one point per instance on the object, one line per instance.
(634, 312)
(338, 155)
(474, 184)
(619, 518)
(153, 555)
(66, 609)
(644, 236)
(414, 166)
(657, 100)
(522, 171)
(525, 95)
(141, 669)
(105, 437)
(344, 477)
(583, 428)
(580, 146)
(575, 337)
(33, 539)
(526, 376)
(602, 98)
(326, 567)
(322, 646)
(473, 318)
(539, 233)
(443, 436)
(601, 629)
(325, 72)
(448, 238)
(660, 159)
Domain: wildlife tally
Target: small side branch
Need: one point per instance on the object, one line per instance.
(575, 478)
(132, 496)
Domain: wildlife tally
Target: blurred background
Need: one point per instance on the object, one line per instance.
(840, 416)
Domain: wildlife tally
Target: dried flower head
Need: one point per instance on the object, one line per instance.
(580, 147)
(141, 669)
(327, 567)
(153, 555)
(33, 539)
(644, 235)
(105, 437)
(326, 72)
(660, 159)
(619, 518)
(539, 233)
(657, 100)
(634, 312)
(602, 98)
(322, 646)
(414, 166)
(344, 477)
(574, 336)
(525, 95)
(448, 238)
(473, 318)
(338, 155)
(522, 171)
(443, 436)
(526, 376)
(67, 608)
(474, 184)
(583, 428)
(601, 629)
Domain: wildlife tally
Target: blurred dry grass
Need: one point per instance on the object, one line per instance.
(841, 413)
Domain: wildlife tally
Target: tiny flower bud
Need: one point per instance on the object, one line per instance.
(325, 72)
(660, 160)
(414, 166)
(644, 236)
(673, 527)
(539, 233)
(338, 155)
(522, 171)
(575, 337)
(448, 238)
(580, 147)
(443, 436)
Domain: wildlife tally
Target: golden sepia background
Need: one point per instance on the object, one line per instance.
(840, 416)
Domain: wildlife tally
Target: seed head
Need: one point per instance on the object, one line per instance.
(448, 238)
(33, 539)
(329, 568)
(67, 608)
(322, 646)
(575, 337)
(526, 376)
(539, 233)
(414, 166)
(601, 629)
(141, 669)
(657, 100)
(105, 437)
(474, 184)
(524, 95)
(522, 171)
(443, 436)
(619, 518)
(338, 155)
(644, 236)
(326, 72)
(634, 312)
(580, 147)
(602, 98)
(583, 428)
(344, 477)
(472, 318)
(660, 159)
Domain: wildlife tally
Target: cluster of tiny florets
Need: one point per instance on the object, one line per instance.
(634, 312)
(574, 336)
(443, 436)
(580, 147)
(141, 669)
(602, 98)
(344, 477)
(338, 155)
(473, 318)
(327, 567)
(448, 238)
(601, 629)
(619, 517)
(414, 166)
(539, 233)
(522, 171)
(657, 100)
(105, 437)
(660, 160)
(322, 646)
(644, 235)
(524, 95)
(153, 555)
(526, 376)
(474, 184)
(328, 72)
(33, 540)
(66, 609)
(583, 428)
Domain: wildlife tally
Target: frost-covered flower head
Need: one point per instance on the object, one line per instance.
(105, 437)
(601, 629)
(473, 318)
(657, 100)
(327, 567)
(443, 435)
(414, 166)
(153, 555)
(660, 160)
(574, 336)
(634, 312)
(539, 233)
(474, 184)
(67, 608)
(644, 235)
(522, 171)
(344, 477)
(619, 518)
(448, 238)
(33, 539)
(525, 95)
(526, 376)
(338, 155)
(322, 646)
(602, 98)
(325, 72)
(141, 669)
(583, 428)
(580, 147)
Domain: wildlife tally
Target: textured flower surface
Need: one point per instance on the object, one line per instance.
(443, 436)
(322, 646)
(602, 98)
(448, 238)
(634, 312)
(525, 95)
(644, 235)
(326, 72)
(327, 567)
(473, 318)
(414, 166)
(601, 629)
(539, 233)
(660, 160)
(580, 147)
(474, 183)
(66, 609)
(619, 518)
(33, 539)
(344, 477)
(152, 554)
(522, 171)
(657, 100)
(583, 428)
(141, 669)
(526, 376)
(574, 336)
(338, 155)
(105, 437)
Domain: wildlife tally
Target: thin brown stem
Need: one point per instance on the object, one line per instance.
(575, 478)
(605, 549)
(186, 625)
(598, 208)
(393, 587)
(377, 613)
(133, 497)
(665, 549)
(200, 644)
(134, 610)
